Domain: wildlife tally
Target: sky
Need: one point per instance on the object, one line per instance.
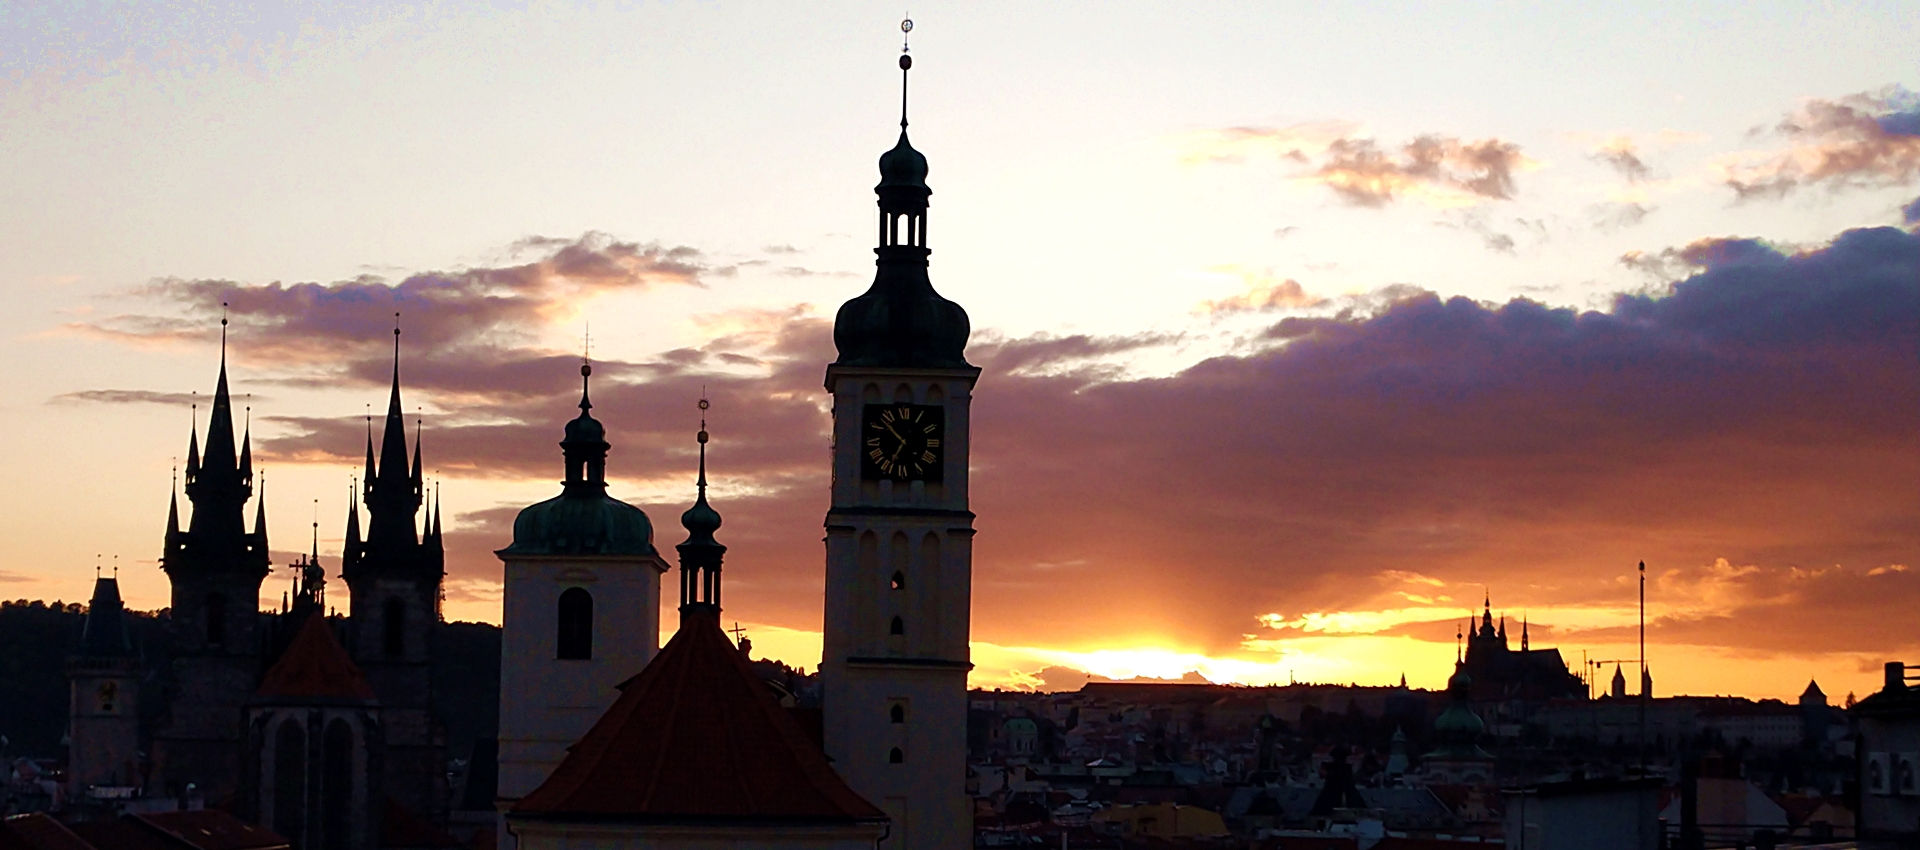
(1306, 328)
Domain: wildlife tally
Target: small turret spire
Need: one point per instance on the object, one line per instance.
(353, 522)
(260, 516)
(701, 555)
(173, 516)
(246, 448)
(193, 443)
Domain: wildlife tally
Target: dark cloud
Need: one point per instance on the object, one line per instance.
(1667, 264)
(130, 397)
(1758, 411)
(1866, 140)
(473, 312)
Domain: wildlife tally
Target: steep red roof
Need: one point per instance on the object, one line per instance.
(696, 735)
(211, 829)
(40, 832)
(315, 666)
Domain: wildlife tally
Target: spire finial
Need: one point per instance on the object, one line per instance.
(223, 335)
(702, 438)
(906, 62)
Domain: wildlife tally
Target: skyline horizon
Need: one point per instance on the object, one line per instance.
(1288, 354)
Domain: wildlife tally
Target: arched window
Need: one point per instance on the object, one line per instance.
(895, 756)
(216, 619)
(898, 713)
(290, 779)
(395, 623)
(337, 801)
(899, 627)
(576, 624)
(899, 581)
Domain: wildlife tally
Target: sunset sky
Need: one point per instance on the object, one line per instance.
(1303, 326)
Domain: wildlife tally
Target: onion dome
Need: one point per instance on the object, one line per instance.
(584, 430)
(701, 520)
(901, 321)
(583, 519)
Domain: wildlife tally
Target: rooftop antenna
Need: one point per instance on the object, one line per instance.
(116, 567)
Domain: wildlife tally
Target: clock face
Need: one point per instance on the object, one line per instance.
(904, 442)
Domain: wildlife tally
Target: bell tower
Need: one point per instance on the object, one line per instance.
(899, 534)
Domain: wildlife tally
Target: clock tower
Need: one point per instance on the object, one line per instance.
(899, 534)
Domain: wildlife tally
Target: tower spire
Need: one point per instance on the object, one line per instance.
(701, 555)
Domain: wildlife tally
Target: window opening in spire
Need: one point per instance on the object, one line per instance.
(216, 619)
(897, 714)
(899, 627)
(575, 640)
(895, 756)
(395, 642)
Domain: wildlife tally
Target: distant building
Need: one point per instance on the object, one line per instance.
(1889, 778)
(1502, 674)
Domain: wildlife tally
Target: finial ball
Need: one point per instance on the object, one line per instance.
(586, 369)
(702, 436)
(905, 62)
(704, 404)
(906, 25)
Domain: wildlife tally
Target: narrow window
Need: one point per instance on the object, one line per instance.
(576, 624)
(898, 713)
(290, 779)
(395, 637)
(895, 756)
(899, 581)
(216, 619)
(899, 627)
(338, 797)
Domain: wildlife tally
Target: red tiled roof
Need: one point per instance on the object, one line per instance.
(315, 665)
(212, 829)
(696, 735)
(39, 832)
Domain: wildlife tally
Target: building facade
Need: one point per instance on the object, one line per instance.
(899, 532)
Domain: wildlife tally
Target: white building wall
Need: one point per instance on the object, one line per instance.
(547, 703)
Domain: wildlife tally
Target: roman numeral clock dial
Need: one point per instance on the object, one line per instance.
(903, 442)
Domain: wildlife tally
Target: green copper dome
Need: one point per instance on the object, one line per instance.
(583, 519)
(582, 523)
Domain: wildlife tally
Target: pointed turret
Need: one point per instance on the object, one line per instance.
(353, 523)
(393, 488)
(1523, 634)
(193, 446)
(246, 449)
(173, 521)
(418, 481)
(260, 518)
(701, 555)
(105, 633)
(368, 475)
(217, 484)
